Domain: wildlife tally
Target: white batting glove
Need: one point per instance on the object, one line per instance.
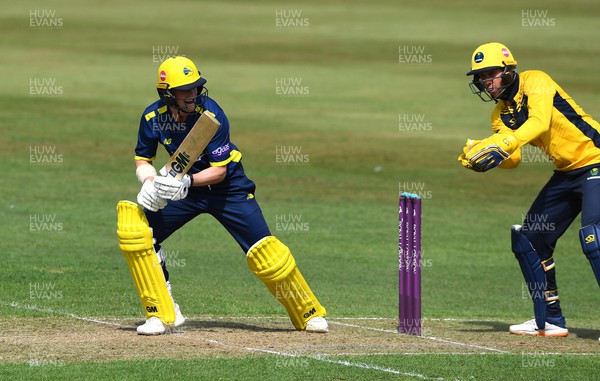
(149, 198)
(172, 189)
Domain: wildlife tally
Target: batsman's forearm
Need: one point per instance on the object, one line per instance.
(210, 176)
(144, 170)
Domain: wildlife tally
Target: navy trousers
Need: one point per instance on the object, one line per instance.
(557, 205)
(231, 202)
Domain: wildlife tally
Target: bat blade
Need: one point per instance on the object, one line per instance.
(192, 146)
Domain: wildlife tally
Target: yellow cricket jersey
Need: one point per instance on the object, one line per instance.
(540, 113)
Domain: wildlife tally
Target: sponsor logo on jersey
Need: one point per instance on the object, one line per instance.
(221, 150)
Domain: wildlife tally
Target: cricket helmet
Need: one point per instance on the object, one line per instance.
(492, 56)
(179, 73)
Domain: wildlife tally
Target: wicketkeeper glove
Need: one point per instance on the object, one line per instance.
(481, 156)
(463, 157)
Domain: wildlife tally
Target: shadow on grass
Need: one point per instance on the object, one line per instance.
(218, 325)
(496, 326)
(585, 333)
(211, 324)
(486, 326)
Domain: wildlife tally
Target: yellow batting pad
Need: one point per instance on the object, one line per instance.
(135, 241)
(272, 262)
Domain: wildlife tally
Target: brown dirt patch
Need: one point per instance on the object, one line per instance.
(73, 340)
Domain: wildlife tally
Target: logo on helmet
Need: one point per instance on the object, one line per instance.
(187, 70)
(505, 52)
(163, 75)
(478, 57)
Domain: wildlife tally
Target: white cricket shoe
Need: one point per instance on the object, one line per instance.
(179, 318)
(154, 326)
(317, 324)
(530, 328)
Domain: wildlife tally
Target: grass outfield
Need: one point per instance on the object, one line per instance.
(76, 80)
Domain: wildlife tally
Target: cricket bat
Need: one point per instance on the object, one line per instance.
(192, 146)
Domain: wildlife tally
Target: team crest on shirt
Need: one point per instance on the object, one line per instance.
(593, 174)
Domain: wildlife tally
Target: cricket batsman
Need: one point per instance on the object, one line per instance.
(216, 185)
(533, 109)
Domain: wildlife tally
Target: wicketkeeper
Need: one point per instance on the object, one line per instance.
(533, 109)
(216, 185)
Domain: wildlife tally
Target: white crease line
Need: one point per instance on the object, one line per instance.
(56, 312)
(285, 318)
(584, 354)
(525, 354)
(365, 318)
(337, 362)
(423, 337)
(375, 367)
(466, 345)
(360, 326)
(409, 354)
(96, 321)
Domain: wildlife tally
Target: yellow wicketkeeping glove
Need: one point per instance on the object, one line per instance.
(468, 146)
(489, 152)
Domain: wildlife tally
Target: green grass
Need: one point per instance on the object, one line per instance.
(102, 58)
(509, 367)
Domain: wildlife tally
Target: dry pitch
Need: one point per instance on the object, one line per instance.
(53, 340)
